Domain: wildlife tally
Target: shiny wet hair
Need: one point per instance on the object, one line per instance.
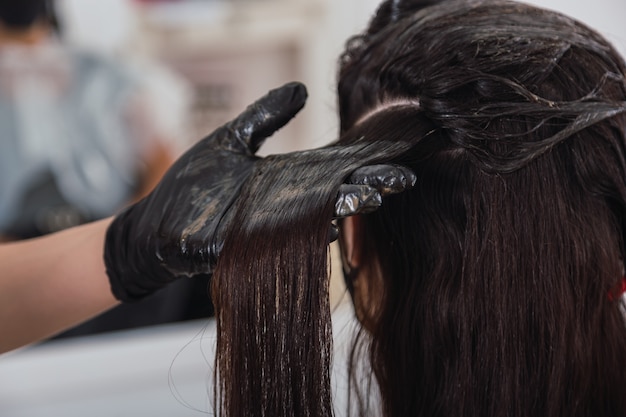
(498, 292)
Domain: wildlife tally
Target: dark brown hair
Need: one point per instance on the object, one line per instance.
(497, 268)
(270, 287)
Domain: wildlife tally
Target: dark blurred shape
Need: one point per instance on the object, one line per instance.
(21, 14)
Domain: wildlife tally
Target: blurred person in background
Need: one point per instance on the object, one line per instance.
(79, 141)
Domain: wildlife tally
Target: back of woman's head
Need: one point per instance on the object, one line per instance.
(500, 268)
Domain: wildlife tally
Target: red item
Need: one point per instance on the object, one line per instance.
(618, 290)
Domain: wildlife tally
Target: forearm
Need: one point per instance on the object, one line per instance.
(51, 283)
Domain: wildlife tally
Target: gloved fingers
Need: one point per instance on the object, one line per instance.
(387, 179)
(356, 199)
(266, 115)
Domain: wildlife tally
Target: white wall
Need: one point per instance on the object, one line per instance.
(606, 16)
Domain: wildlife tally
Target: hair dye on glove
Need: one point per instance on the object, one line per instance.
(178, 230)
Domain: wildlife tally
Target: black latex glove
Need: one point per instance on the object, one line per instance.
(363, 192)
(177, 230)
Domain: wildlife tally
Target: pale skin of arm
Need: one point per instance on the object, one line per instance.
(51, 283)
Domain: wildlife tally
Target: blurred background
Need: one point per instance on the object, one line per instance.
(196, 64)
(230, 52)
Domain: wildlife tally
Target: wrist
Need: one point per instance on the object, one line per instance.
(132, 258)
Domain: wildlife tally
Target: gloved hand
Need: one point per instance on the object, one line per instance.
(364, 190)
(177, 230)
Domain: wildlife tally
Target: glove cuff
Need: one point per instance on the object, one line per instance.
(130, 277)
